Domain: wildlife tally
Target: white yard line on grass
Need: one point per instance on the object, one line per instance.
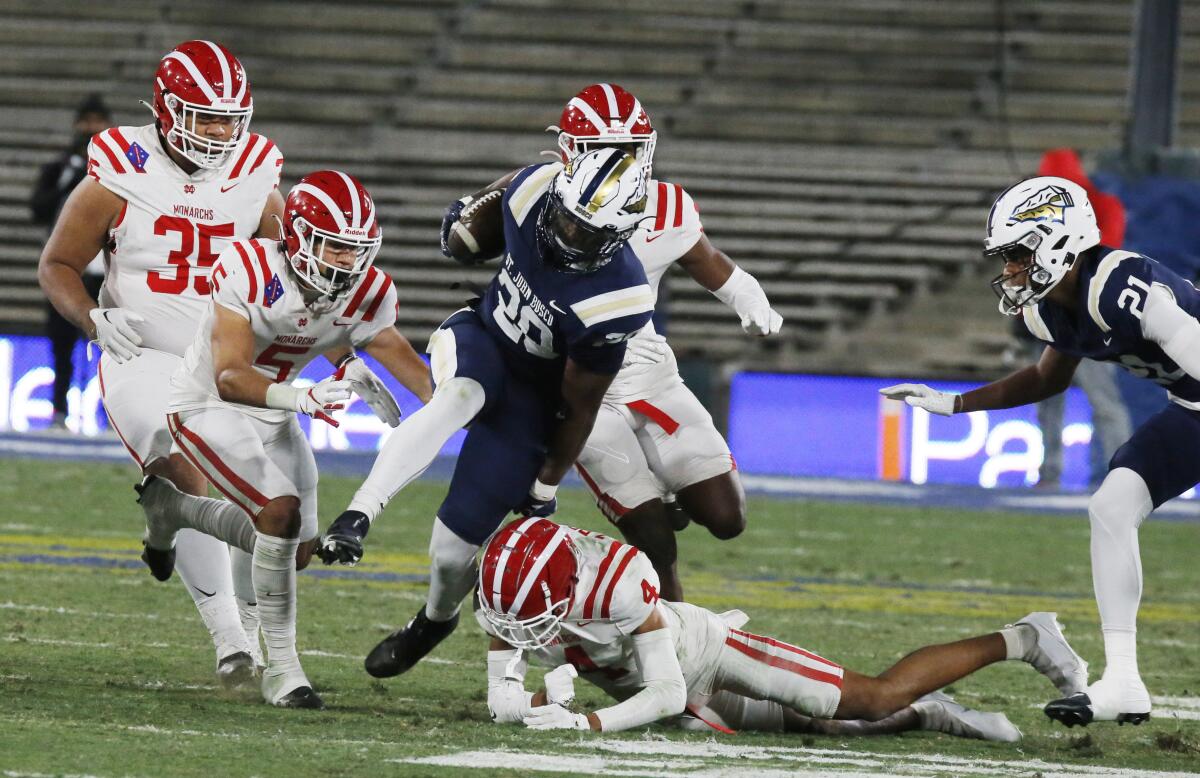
(433, 660)
(20, 606)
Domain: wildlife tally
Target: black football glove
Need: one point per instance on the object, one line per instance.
(537, 507)
(452, 214)
(343, 541)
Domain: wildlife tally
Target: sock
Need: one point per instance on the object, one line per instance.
(411, 447)
(171, 510)
(1019, 640)
(275, 588)
(203, 565)
(242, 565)
(451, 572)
(1116, 511)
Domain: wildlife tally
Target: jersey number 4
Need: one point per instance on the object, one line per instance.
(195, 243)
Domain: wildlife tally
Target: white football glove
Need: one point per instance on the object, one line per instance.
(921, 396)
(648, 349)
(317, 401)
(555, 717)
(373, 392)
(762, 320)
(115, 333)
(560, 685)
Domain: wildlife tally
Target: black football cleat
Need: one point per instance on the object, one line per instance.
(677, 516)
(237, 672)
(1078, 710)
(161, 563)
(301, 697)
(402, 649)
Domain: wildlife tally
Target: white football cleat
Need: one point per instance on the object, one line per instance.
(1123, 700)
(939, 712)
(1052, 655)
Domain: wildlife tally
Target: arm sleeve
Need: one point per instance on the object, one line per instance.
(379, 312)
(230, 282)
(663, 692)
(1175, 331)
(508, 701)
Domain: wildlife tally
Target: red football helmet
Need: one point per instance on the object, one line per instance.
(330, 210)
(605, 114)
(527, 581)
(201, 77)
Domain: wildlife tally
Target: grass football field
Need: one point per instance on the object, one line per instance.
(105, 672)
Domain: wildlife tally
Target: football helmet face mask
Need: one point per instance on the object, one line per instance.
(606, 115)
(1041, 226)
(527, 579)
(594, 205)
(327, 214)
(202, 80)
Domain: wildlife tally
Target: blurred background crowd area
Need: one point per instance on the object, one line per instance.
(845, 152)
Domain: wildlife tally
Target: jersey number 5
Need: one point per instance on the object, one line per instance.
(270, 358)
(192, 238)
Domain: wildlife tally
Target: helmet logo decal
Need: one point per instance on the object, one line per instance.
(606, 183)
(1048, 204)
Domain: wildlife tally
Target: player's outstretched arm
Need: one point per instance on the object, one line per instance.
(1051, 375)
(79, 235)
(1175, 331)
(238, 382)
(663, 692)
(715, 271)
(396, 354)
(582, 392)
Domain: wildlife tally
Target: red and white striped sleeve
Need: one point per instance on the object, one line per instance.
(240, 276)
(374, 304)
(676, 216)
(625, 590)
(109, 160)
(259, 159)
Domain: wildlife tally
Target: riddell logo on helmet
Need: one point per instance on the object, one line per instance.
(1048, 204)
(354, 232)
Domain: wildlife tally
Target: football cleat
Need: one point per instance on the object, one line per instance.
(158, 541)
(677, 516)
(1124, 701)
(289, 690)
(1052, 655)
(402, 649)
(301, 697)
(237, 672)
(940, 713)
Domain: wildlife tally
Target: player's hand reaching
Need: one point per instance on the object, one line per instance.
(343, 541)
(922, 396)
(373, 392)
(560, 685)
(647, 349)
(317, 401)
(761, 320)
(115, 333)
(555, 717)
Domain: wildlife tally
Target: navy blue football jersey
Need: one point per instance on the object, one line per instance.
(1107, 327)
(543, 315)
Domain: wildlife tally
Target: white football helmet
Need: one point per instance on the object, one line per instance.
(1042, 224)
(595, 204)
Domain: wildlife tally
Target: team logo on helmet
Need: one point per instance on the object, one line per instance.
(1048, 204)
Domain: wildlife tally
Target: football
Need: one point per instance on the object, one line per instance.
(478, 235)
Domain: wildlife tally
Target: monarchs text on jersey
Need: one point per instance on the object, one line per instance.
(174, 225)
(254, 280)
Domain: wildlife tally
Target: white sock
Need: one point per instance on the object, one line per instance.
(412, 446)
(203, 566)
(242, 565)
(175, 510)
(1019, 640)
(1116, 510)
(451, 572)
(275, 588)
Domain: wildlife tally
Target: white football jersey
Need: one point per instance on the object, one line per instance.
(174, 225)
(254, 280)
(672, 232)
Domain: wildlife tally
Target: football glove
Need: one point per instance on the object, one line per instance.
(761, 320)
(373, 392)
(647, 349)
(343, 541)
(539, 503)
(560, 685)
(742, 292)
(555, 717)
(448, 220)
(922, 396)
(316, 401)
(115, 333)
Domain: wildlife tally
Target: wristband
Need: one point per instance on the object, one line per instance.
(345, 358)
(543, 492)
(282, 397)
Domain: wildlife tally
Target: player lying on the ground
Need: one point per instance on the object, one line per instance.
(276, 307)
(166, 198)
(654, 458)
(526, 366)
(1085, 300)
(570, 597)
